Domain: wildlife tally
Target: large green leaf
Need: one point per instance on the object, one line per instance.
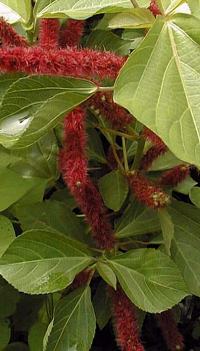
(137, 18)
(186, 243)
(79, 9)
(10, 297)
(167, 6)
(39, 262)
(34, 105)
(159, 85)
(195, 7)
(150, 279)
(195, 196)
(36, 335)
(114, 189)
(21, 8)
(7, 234)
(74, 323)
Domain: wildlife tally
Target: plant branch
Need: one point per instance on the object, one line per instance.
(139, 154)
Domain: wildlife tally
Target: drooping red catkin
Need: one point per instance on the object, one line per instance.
(49, 33)
(103, 104)
(9, 36)
(152, 137)
(73, 164)
(147, 192)
(152, 154)
(125, 321)
(83, 63)
(154, 8)
(71, 33)
(170, 332)
(174, 176)
(81, 279)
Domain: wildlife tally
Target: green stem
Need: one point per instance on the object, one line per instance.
(117, 158)
(139, 154)
(126, 166)
(132, 137)
(102, 89)
(134, 2)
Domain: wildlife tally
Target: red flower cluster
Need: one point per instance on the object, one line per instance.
(116, 115)
(147, 192)
(81, 279)
(154, 8)
(71, 33)
(9, 37)
(49, 33)
(171, 334)
(73, 164)
(152, 154)
(174, 176)
(152, 137)
(125, 322)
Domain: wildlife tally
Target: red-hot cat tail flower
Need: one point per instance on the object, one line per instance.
(147, 192)
(154, 8)
(72, 62)
(73, 164)
(125, 321)
(49, 33)
(103, 104)
(82, 279)
(170, 332)
(151, 155)
(174, 176)
(152, 137)
(71, 33)
(9, 37)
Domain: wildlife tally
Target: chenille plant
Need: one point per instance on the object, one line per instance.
(99, 172)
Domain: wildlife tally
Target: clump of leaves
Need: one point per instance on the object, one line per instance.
(99, 139)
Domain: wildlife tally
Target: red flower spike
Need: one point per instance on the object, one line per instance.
(152, 137)
(175, 176)
(49, 33)
(116, 115)
(73, 164)
(9, 37)
(81, 279)
(152, 154)
(170, 332)
(154, 8)
(125, 322)
(71, 33)
(72, 62)
(147, 192)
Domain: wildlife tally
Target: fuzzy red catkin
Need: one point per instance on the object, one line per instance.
(125, 321)
(73, 164)
(147, 192)
(49, 33)
(71, 33)
(152, 154)
(152, 137)
(154, 8)
(9, 36)
(174, 176)
(83, 63)
(117, 116)
(81, 279)
(170, 332)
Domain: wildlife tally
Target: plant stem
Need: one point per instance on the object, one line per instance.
(132, 137)
(134, 2)
(102, 89)
(126, 166)
(139, 154)
(117, 158)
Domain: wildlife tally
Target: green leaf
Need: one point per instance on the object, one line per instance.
(12, 187)
(21, 8)
(36, 335)
(167, 227)
(51, 216)
(167, 6)
(150, 279)
(186, 243)
(17, 346)
(107, 274)
(185, 186)
(79, 9)
(6, 80)
(10, 297)
(7, 234)
(34, 105)
(136, 18)
(164, 162)
(44, 262)
(101, 303)
(195, 7)
(195, 196)
(114, 189)
(74, 323)
(5, 334)
(141, 222)
(161, 90)
(95, 147)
